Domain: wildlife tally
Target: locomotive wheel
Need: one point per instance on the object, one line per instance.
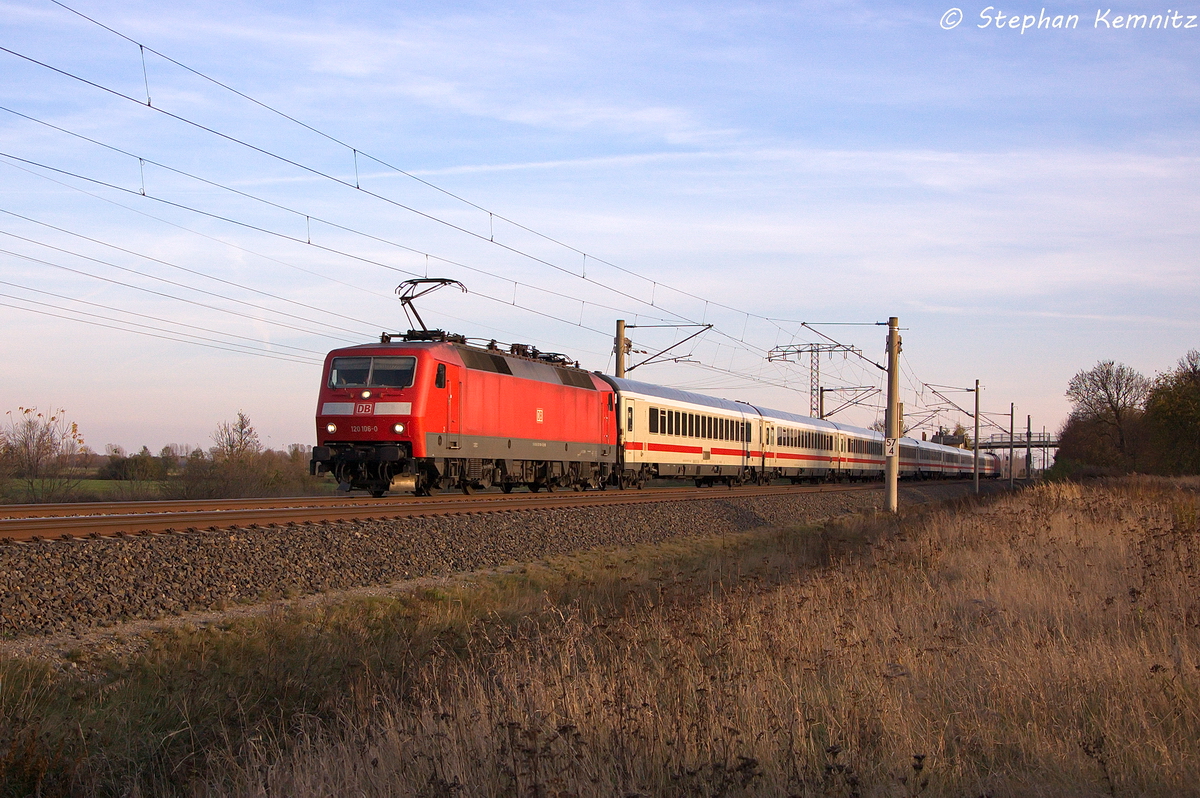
(506, 487)
(534, 487)
(378, 494)
(468, 488)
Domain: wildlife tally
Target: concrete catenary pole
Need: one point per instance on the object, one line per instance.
(620, 348)
(976, 439)
(1012, 471)
(1028, 447)
(892, 468)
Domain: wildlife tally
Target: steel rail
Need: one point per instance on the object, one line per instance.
(59, 510)
(246, 514)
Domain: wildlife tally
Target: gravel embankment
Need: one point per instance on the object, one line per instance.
(56, 587)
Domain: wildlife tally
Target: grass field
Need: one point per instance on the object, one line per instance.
(1044, 643)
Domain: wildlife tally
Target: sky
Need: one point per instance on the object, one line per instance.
(197, 201)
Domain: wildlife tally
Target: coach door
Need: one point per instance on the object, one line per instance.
(609, 409)
(454, 405)
(768, 442)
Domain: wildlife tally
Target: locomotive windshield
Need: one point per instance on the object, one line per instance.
(372, 372)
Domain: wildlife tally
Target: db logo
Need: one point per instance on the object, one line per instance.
(365, 409)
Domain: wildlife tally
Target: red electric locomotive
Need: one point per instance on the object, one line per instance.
(428, 412)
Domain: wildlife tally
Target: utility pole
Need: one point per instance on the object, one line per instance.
(1012, 471)
(620, 348)
(892, 444)
(976, 439)
(1028, 447)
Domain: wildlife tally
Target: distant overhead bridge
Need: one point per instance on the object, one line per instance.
(1021, 440)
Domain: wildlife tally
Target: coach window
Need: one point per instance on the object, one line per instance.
(654, 419)
(629, 418)
(440, 379)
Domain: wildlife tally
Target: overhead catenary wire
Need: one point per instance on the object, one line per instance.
(320, 173)
(160, 293)
(296, 239)
(389, 296)
(356, 186)
(152, 318)
(170, 336)
(356, 151)
(195, 272)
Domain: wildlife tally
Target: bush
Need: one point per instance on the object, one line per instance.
(1173, 418)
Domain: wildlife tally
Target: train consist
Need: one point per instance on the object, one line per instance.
(431, 412)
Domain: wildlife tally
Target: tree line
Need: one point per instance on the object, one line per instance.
(1123, 421)
(43, 458)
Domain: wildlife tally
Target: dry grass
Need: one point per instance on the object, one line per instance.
(1040, 644)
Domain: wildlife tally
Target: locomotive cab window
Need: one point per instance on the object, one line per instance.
(440, 379)
(373, 372)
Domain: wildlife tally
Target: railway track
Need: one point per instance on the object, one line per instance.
(23, 523)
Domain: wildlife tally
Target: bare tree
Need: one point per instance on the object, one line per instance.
(236, 441)
(43, 453)
(1112, 394)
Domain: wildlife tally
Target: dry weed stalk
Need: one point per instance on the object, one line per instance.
(998, 643)
(1039, 644)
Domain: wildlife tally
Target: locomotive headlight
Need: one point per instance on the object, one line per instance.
(366, 394)
(397, 428)
(331, 428)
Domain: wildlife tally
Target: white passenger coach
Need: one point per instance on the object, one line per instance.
(674, 434)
